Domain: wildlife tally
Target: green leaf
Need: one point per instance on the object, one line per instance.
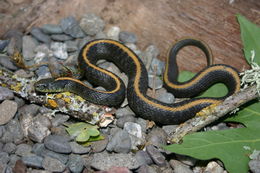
(93, 132)
(250, 35)
(83, 136)
(232, 146)
(217, 90)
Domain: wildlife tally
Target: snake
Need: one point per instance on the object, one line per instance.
(143, 105)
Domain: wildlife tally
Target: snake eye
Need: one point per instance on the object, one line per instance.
(43, 85)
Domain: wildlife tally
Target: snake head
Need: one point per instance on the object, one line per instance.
(45, 85)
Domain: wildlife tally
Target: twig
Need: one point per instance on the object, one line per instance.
(213, 113)
(68, 103)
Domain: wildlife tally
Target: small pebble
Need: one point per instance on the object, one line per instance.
(157, 66)
(180, 167)
(61, 37)
(51, 29)
(8, 109)
(169, 129)
(214, 167)
(254, 166)
(71, 27)
(148, 55)
(57, 144)
(53, 165)
(7, 63)
(143, 158)
(75, 163)
(122, 120)
(29, 45)
(79, 149)
(13, 159)
(164, 96)
(127, 37)
(9, 148)
(124, 111)
(120, 142)
(32, 161)
(133, 129)
(71, 45)
(147, 169)
(113, 32)
(6, 94)
(59, 50)
(59, 119)
(43, 72)
(91, 24)
(156, 155)
(4, 157)
(3, 44)
(155, 82)
(99, 146)
(40, 36)
(157, 137)
(23, 150)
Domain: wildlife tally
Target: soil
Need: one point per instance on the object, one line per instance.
(158, 22)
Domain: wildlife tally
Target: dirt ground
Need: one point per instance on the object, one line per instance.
(159, 22)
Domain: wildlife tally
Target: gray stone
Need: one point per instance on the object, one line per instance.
(180, 167)
(71, 27)
(75, 163)
(32, 161)
(9, 148)
(157, 137)
(3, 44)
(143, 123)
(120, 142)
(99, 146)
(59, 119)
(72, 46)
(169, 129)
(7, 63)
(57, 144)
(124, 111)
(53, 165)
(40, 150)
(4, 157)
(254, 166)
(146, 169)
(43, 72)
(15, 43)
(156, 156)
(186, 159)
(214, 167)
(13, 159)
(3, 167)
(103, 161)
(143, 158)
(164, 96)
(23, 150)
(100, 35)
(122, 120)
(59, 50)
(20, 102)
(91, 24)
(79, 149)
(51, 29)
(40, 36)
(133, 129)
(8, 109)
(155, 82)
(148, 55)
(1, 146)
(31, 109)
(127, 37)
(29, 45)
(6, 94)
(61, 37)
(157, 66)
(113, 32)
(15, 130)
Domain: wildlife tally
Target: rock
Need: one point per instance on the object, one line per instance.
(72, 46)
(134, 48)
(157, 137)
(9, 148)
(8, 109)
(127, 37)
(59, 119)
(40, 36)
(120, 142)
(143, 123)
(29, 45)
(32, 161)
(4, 157)
(143, 158)
(155, 82)
(116, 169)
(156, 156)
(254, 166)
(59, 50)
(180, 167)
(157, 66)
(186, 159)
(61, 37)
(91, 24)
(13, 159)
(31, 109)
(43, 72)
(75, 163)
(122, 120)
(3, 167)
(100, 35)
(20, 167)
(23, 150)
(164, 96)
(40, 150)
(214, 167)
(52, 165)
(3, 44)
(13, 128)
(71, 27)
(51, 29)
(6, 94)
(113, 32)
(147, 169)
(57, 144)
(38, 129)
(124, 111)
(169, 129)
(7, 63)
(79, 149)
(15, 43)
(20, 102)
(99, 146)
(148, 55)
(104, 161)
(135, 132)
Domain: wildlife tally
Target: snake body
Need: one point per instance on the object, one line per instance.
(142, 104)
